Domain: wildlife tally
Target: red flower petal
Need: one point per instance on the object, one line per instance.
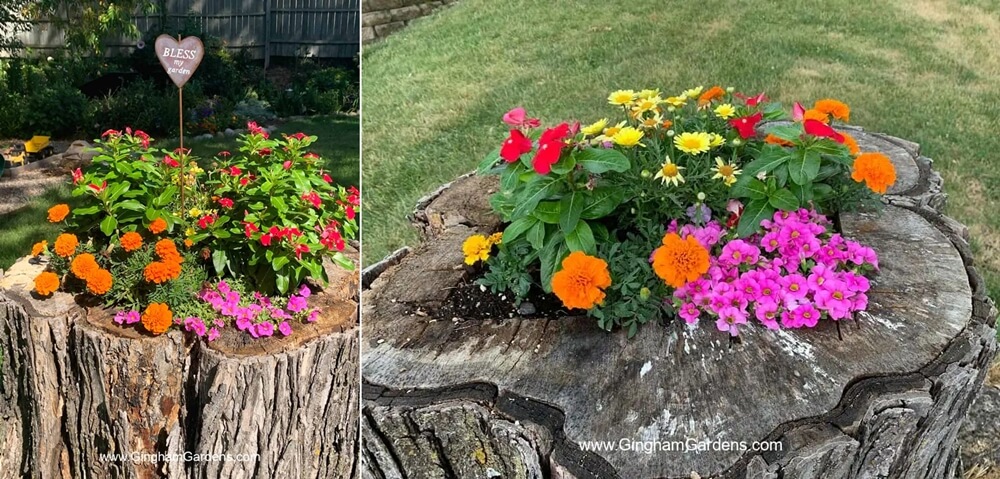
(548, 155)
(745, 125)
(822, 130)
(516, 145)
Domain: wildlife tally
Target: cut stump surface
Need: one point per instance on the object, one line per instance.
(473, 398)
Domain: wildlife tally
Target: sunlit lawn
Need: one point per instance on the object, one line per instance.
(923, 70)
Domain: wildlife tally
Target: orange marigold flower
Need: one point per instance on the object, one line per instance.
(46, 283)
(680, 260)
(188, 243)
(84, 265)
(161, 271)
(158, 226)
(851, 143)
(39, 248)
(816, 115)
(66, 245)
(157, 318)
(667, 124)
(875, 170)
(580, 282)
(167, 251)
(99, 282)
(58, 213)
(774, 140)
(713, 93)
(131, 241)
(834, 108)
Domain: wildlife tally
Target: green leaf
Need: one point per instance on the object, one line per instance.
(551, 256)
(804, 167)
(803, 193)
(536, 235)
(281, 282)
(768, 160)
(108, 225)
(86, 211)
(755, 212)
(548, 212)
(600, 160)
(279, 262)
(343, 261)
(219, 260)
(752, 188)
(278, 203)
(784, 200)
(564, 165)
(571, 207)
(166, 196)
(822, 191)
(132, 205)
(488, 162)
(786, 132)
(581, 239)
(517, 228)
(601, 202)
(533, 193)
(509, 177)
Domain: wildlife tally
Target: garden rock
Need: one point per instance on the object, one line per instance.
(73, 385)
(230, 132)
(882, 396)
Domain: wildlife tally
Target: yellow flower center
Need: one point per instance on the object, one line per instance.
(726, 170)
(669, 170)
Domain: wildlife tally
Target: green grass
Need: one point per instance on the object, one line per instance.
(925, 70)
(337, 144)
(26, 226)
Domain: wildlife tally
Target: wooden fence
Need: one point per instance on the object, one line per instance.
(263, 28)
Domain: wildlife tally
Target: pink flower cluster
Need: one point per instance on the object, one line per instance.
(792, 276)
(259, 315)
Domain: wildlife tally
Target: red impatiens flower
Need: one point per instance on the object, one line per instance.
(226, 202)
(287, 165)
(235, 171)
(349, 211)
(244, 181)
(745, 125)
(205, 221)
(822, 130)
(299, 249)
(98, 189)
(516, 145)
(77, 176)
(327, 178)
(170, 162)
(331, 238)
(249, 228)
(143, 138)
(798, 111)
(353, 196)
(265, 239)
(225, 153)
(313, 198)
(108, 133)
(299, 136)
(264, 151)
(255, 129)
(518, 118)
(550, 146)
(752, 101)
(310, 156)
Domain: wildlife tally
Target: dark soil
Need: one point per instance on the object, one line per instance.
(472, 301)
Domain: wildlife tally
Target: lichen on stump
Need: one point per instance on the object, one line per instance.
(516, 398)
(74, 386)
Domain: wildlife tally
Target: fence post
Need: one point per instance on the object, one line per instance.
(267, 33)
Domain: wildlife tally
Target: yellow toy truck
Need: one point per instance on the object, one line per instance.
(37, 148)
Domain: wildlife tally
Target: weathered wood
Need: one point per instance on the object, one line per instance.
(76, 386)
(886, 401)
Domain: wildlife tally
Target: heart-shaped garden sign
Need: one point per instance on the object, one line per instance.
(179, 58)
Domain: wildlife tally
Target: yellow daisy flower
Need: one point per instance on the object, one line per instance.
(670, 173)
(693, 143)
(621, 97)
(647, 93)
(194, 212)
(693, 93)
(725, 111)
(476, 248)
(725, 171)
(717, 140)
(611, 131)
(654, 121)
(677, 101)
(628, 137)
(595, 128)
(643, 105)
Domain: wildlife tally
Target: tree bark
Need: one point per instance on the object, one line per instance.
(517, 398)
(75, 387)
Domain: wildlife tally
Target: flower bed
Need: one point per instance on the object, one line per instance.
(174, 242)
(705, 205)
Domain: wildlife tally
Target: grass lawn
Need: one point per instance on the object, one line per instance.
(337, 144)
(925, 70)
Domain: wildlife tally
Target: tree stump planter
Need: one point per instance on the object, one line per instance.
(74, 386)
(516, 398)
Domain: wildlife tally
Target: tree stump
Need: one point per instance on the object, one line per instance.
(75, 387)
(516, 398)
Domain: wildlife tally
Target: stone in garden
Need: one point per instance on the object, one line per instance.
(230, 132)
